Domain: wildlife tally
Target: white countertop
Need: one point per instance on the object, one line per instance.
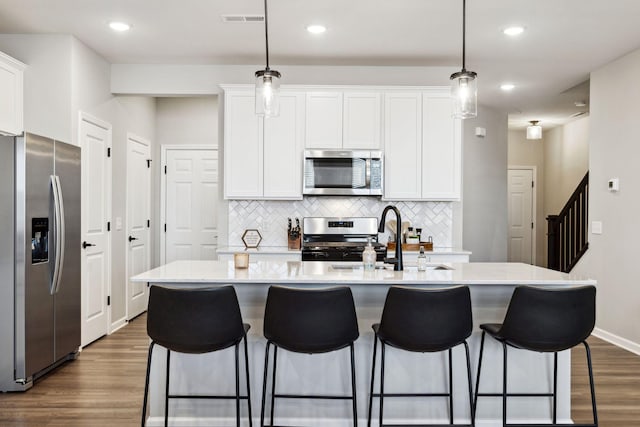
(273, 250)
(300, 272)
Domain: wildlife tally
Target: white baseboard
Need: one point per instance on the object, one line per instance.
(617, 341)
(120, 323)
(210, 421)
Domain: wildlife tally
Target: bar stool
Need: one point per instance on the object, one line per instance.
(196, 321)
(425, 321)
(308, 321)
(545, 321)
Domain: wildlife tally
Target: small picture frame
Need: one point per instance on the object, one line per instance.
(251, 238)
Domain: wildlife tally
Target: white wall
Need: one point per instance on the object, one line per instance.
(484, 187)
(566, 157)
(47, 81)
(182, 121)
(527, 152)
(614, 152)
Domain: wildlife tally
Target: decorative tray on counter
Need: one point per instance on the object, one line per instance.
(428, 246)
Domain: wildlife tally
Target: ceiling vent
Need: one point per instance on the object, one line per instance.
(241, 19)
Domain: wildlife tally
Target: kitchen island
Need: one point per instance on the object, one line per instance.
(491, 286)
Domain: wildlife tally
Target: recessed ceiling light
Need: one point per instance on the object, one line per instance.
(119, 26)
(507, 86)
(513, 31)
(316, 29)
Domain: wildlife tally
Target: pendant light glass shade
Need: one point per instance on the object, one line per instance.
(267, 91)
(464, 93)
(464, 84)
(534, 130)
(267, 82)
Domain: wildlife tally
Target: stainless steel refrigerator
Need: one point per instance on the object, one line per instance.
(39, 257)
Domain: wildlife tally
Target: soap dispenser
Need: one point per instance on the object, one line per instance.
(369, 257)
(422, 260)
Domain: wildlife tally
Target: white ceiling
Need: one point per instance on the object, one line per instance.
(549, 63)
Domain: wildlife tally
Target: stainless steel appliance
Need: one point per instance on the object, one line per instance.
(343, 172)
(339, 239)
(39, 257)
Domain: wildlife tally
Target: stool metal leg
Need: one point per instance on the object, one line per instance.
(591, 385)
(264, 383)
(555, 387)
(237, 386)
(381, 380)
(353, 387)
(471, 414)
(146, 385)
(450, 387)
(475, 399)
(246, 366)
(504, 385)
(273, 382)
(166, 394)
(373, 373)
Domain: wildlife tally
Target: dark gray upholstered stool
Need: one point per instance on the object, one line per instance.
(308, 321)
(425, 321)
(196, 321)
(547, 321)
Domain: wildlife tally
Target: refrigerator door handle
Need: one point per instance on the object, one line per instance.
(55, 277)
(63, 232)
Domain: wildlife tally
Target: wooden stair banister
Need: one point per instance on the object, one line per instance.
(567, 232)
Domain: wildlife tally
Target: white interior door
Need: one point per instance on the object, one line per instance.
(95, 140)
(138, 221)
(520, 246)
(191, 193)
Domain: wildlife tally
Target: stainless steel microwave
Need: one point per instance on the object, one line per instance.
(343, 172)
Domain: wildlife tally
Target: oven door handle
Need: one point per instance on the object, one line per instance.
(367, 174)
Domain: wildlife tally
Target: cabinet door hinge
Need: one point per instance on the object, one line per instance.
(108, 151)
(148, 163)
(109, 300)
(165, 169)
(532, 184)
(108, 225)
(165, 228)
(148, 223)
(532, 226)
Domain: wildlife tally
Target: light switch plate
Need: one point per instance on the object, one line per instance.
(596, 227)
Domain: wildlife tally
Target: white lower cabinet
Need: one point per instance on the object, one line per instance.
(11, 95)
(262, 156)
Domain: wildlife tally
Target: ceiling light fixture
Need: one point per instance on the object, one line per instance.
(507, 86)
(316, 29)
(119, 26)
(534, 130)
(464, 85)
(513, 31)
(267, 82)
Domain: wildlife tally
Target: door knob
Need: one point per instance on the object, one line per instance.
(131, 238)
(85, 245)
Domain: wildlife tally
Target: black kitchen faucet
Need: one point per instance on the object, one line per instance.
(397, 260)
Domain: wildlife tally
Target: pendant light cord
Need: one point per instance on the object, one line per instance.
(464, 26)
(266, 33)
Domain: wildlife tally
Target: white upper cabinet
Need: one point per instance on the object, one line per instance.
(361, 120)
(11, 95)
(323, 120)
(262, 156)
(422, 146)
(343, 119)
(243, 147)
(283, 147)
(441, 147)
(402, 145)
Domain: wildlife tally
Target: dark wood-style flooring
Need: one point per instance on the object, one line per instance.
(104, 386)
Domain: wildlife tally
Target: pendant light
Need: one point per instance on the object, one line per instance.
(464, 87)
(267, 82)
(534, 130)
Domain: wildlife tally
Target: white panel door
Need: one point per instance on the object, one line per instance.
(191, 194)
(138, 222)
(402, 145)
(323, 126)
(95, 140)
(362, 123)
(520, 216)
(283, 146)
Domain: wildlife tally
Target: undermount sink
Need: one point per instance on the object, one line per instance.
(410, 267)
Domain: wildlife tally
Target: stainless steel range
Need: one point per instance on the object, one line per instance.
(339, 239)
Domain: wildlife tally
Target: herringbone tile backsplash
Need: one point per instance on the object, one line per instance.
(270, 217)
